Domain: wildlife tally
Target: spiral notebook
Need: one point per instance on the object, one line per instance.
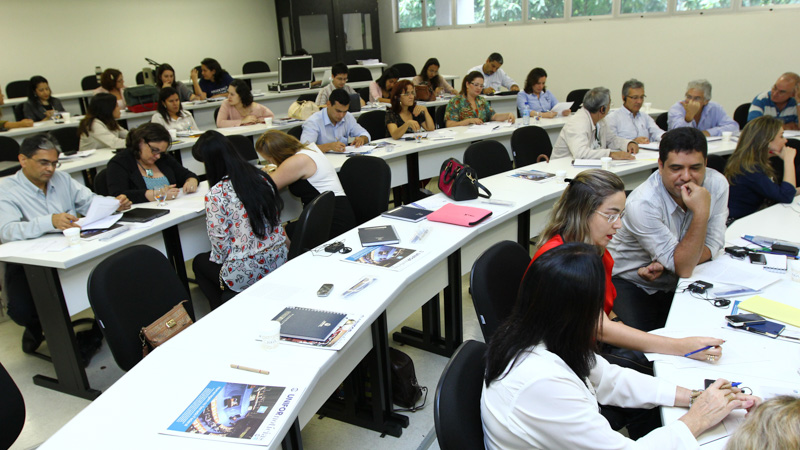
(775, 263)
(308, 324)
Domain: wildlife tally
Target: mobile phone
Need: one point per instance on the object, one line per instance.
(757, 258)
(709, 382)
(740, 320)
(324, 290)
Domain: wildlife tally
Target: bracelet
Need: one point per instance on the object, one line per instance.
(695, 393)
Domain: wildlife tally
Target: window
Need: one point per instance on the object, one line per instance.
(642, 6)
(692, 5)
(409, 13)
(439, 12)
(505, 10)
(314, 34)
(545, 9)
(357, 31)
(748, 3)
(470, 12)
(583, 8)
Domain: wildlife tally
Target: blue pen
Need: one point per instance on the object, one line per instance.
(698, 350)
(736, 384)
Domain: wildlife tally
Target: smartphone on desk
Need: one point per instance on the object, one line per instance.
(740, 320)
(757, 258)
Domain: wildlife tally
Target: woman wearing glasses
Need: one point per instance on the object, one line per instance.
(99, 128)
(406, 115)
(145, 165)
(468, 107)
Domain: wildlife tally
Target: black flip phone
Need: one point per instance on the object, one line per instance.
(757, 258)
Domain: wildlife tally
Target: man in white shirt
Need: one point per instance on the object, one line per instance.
(493, 76)
(628, 121)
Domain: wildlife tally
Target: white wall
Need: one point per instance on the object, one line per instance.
(64, 40)
(741, 54)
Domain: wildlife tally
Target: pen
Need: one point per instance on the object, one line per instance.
(249, 369)
(698, 350)
(495, 127)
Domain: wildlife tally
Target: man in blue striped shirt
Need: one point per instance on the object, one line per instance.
(778, 102)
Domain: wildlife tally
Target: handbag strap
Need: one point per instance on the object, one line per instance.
(480, 186)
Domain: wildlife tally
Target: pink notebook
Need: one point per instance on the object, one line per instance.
(466, 216)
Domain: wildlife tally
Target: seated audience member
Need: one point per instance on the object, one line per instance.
(212, 81)
(171, 114)
(469, 107)
(675, 220)
(240, 109)
(429, 76)
(752, 178)
(778, 102)
(165, 77)
(145, 165)
(698, 111)
(380, 90)
(406, 115)
(7, 125)
(330, 128)
(40, 105)
(543, 380)
(584, 136)
(773, 425)
(540, 101)
(37, 200)
(494, 77)
(307, 173)
(112, 82)
(251, 242)
(99, 128)
(339, 75)
(629, 122)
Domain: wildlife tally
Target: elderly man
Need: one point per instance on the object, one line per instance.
(584, 138)
(778, 102)
(628, 122)
(493, 76)
(698, 111)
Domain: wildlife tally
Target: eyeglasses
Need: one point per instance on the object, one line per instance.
(45, 163)
(155, 151)
(697, 99)
(408, 94)
(477, 85)
(612, 217)
(637, 97)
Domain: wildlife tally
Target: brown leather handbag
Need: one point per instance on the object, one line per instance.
(423, 93)
(165, 328)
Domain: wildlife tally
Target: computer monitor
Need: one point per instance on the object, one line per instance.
(295, 70)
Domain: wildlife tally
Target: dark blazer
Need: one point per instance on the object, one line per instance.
(34, 110)
(124, 177)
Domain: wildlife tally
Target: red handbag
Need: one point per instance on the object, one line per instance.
(460, 182)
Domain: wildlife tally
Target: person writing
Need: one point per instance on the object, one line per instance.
(330, 128)
(380, 90)
(406, 115)
(429, 76)
(536, 97)
(339, 76)
(99, 128)
(469, 107)
(239, 108)
(40, 105)
(494, 76)
(211, 80)
(165, 77)
(171, 114)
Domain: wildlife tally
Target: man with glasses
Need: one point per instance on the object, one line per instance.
(37, 200)
(628, 122)
(339, 75)
(674, 221)
(493, 76)
(698, 111)
(778, 102)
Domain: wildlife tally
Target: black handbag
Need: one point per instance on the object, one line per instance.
(406, 392)
(141, 98)
(460, 181)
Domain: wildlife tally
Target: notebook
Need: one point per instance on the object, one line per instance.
(775, 263)
(141, 215)
(466, 216)
(407, 213)
(379, 235)
(308, 324)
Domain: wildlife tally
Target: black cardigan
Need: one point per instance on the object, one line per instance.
(124, 177)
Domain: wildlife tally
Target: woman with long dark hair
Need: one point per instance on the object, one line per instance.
(406, 115)
(429, 76)
(171, 114)
(210, 80)
(165, 77)
(40, 105)
(544, 380)
(99, 128)
(380, 90)
(240, 109)
(243, 222)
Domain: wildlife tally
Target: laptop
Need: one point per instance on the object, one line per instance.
(355, 103)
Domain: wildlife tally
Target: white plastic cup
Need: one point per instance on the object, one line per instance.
(605, 162)
(794, 270)
(726, 136)
(561, 176)
(271, 335)
(65, 117)
(73, 236)
(647, 107)
(173, 134)
(268, 121)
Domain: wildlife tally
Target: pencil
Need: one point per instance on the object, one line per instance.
(249, 369)
(698, 350)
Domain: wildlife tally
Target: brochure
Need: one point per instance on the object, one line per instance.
(394, 258)
(533, 175)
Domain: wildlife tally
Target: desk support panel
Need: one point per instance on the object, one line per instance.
(412, 188)
(172, 243)
(293, 439)
(524, 229)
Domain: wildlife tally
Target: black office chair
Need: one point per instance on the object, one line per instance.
(18, 89)
(439, 119)
(216, 113)
(67, 138)
(364, 93)
(18, 112)
(457, 407)
(244, 146)
(313, 227)
(740, 114)
(494, 281)
(139, 78)
(576, 96)
(405, 70)
(487, 158)
(716, 162)
(122, 306)
(255, 67)
(777, 163)
(9, 151)
(312, 97)
(89, 83)
(100, 185)
(662, 121)
(530, 145)
(12, 414)
(374, 122)
(358, 74)
(367, 181)
(296, 131)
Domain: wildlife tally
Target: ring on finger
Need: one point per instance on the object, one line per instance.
(730, 397)
(710, 358)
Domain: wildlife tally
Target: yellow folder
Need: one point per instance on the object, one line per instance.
(772, 309)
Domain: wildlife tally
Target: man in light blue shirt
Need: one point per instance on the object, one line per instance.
(698, 111)
(778, 102)
(628, 121)
(331, 127)
(493, 76)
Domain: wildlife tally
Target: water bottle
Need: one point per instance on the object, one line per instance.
(526, 115)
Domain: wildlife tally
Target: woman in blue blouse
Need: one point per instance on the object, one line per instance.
(540, 101)
(749, 173)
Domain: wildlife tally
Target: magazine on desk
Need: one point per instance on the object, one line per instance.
(395, 258)
(533, 175)
(235, 412)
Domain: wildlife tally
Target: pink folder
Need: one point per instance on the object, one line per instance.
(466, 216)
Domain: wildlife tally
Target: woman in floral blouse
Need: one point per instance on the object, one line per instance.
(243, 221)
(468, 107)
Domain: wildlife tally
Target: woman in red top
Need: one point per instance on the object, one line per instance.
(590, 211)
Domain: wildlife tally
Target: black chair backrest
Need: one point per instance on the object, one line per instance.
(314, 224)
(139, 78)
(255, 67)
(296, 131)
(740, 114)
(494, 281)
(457, 407)
(528, 144)
(358, 74)
(9, 149)
(439, 119)
(405, 70)
(364, 93)
(12, 414)
(244, 145)
(100, 185)
(576, 96)
(662, 121)
(777, 163)
(487, 158)
(367, 181)
(216, 113)
(67, 138)
(89, 83)
(374, 122)
(717, 163)
(122, 307)
(18, 112)
(307, 97)
(17, 89)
